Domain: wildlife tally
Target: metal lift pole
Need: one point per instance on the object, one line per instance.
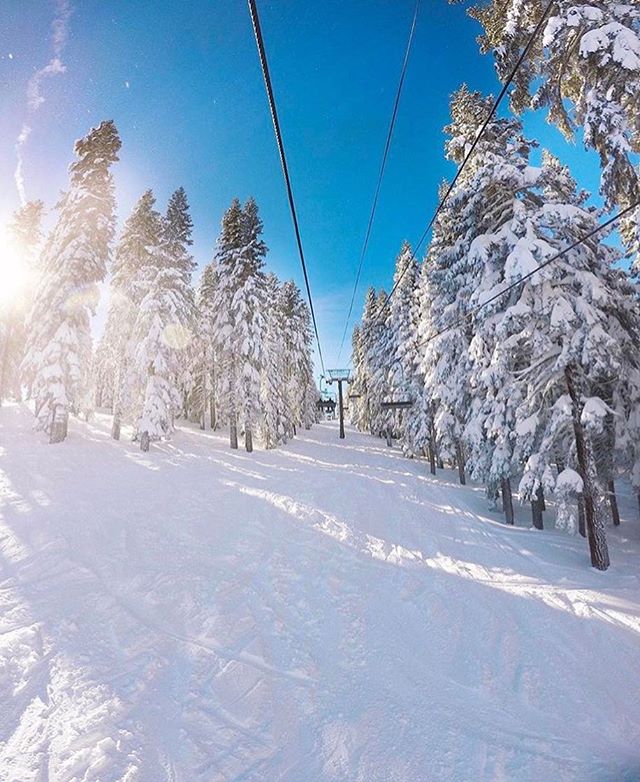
(341, 409)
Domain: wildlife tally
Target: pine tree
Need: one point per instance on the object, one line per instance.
(178, 228)
(568, 333)
(25, 238)
(401, 378)
(203, 364)
(240, 322)
(584, 68)
(134, 256)
(74, 262)
(161, 335)
(272, 391)
(298, 370)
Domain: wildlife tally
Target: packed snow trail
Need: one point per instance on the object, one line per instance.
(326, 611)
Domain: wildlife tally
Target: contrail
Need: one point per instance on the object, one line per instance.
(59, 36)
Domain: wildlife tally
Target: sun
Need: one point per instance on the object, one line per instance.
(13, 272)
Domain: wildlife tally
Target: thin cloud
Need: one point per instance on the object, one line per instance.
(35, 98)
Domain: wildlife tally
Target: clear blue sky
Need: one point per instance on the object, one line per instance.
(183, 84)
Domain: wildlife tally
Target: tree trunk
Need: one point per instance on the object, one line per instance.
(460, 462)
(388, 436)
(432, 458)
(613, 503)
(233, 432)
(537, 507)
(582, 523)
(507, 500)
(144, 441)
(213, 419)
(248, 440)
(593, 512)
(115, 426)
(59, 424)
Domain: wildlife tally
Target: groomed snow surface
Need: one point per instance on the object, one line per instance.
(327, 611)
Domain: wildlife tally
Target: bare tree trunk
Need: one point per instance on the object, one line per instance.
(248, 440)
(460, 462)
(233, 431)
(537, 507)
(613, 503)
(582, 519)
(59, 424)
(115, 426)
(594, 517)
(213, 419)
(432, 458)
(507, 500)
(433, 448)
(144, 441)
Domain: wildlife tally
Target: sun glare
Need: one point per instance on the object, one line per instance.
(13, 272)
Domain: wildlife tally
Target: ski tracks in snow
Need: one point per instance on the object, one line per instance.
(323, 612)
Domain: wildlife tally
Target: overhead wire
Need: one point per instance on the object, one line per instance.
(383, 164)
(255, 20)
(467, 157)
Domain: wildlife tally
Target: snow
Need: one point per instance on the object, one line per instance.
(569, 482)
(326, 611)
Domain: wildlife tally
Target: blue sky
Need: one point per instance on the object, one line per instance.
(183, 84)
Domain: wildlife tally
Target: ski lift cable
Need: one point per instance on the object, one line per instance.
(530, 274)
(383, 165)
(255, 20)
(472, 148)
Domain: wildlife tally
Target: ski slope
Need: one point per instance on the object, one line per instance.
(327, 611)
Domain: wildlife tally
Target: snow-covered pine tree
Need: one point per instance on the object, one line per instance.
(357, 385)
(178, 228)
(456, 273)
(568, 333)
(229, 246)
(401, 380)
(133, 257)
(420, 431)
(365, 366)
(250, 325)
(273, 376)
(498, 186)
(161, 334)
(240, 322)
(584, 68)
(25, 235)
(203, 386)
(74, 262)
(298, 369)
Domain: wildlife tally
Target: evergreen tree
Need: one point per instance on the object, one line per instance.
(133, 258)
(567, 336)
(161, 335)
(74, 262)
(584, 68)
(25, 238)
(298, 370)
(240, 322)
(204, 382)
(402, 384)
(275, 423)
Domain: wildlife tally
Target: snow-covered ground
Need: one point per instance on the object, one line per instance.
(327, 611)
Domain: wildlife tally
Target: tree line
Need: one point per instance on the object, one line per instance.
(513, 373)
(235, 351)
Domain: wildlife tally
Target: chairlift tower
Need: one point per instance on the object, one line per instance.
(339, 376)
